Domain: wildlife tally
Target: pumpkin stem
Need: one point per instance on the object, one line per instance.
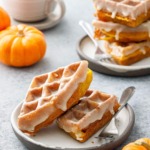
(20, 33)
(147, 146)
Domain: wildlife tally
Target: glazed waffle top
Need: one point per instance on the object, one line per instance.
(120, 49)
(54, 88)
(126, 8)
(91, 108)
(112, 26)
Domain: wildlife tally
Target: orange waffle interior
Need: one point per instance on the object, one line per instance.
(51, 94)
(128, 12)
(106, 16)
(128, 53)
(111, 31)
(79, 121)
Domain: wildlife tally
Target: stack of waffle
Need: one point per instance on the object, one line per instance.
(63, 95)
(124, 26)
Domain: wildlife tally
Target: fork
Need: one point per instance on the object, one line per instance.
(126, 95)
(99, 54)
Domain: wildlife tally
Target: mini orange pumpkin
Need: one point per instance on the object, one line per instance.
(4, 19)
(21, 45)
(140, 144)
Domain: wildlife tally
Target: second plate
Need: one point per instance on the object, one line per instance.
(86, 49)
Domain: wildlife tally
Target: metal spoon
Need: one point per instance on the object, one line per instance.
(99, 54)
(126, 95)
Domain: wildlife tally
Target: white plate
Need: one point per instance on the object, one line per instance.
(86, 49)
(54, 138)
(47, 23)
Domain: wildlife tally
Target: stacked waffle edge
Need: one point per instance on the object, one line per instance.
(124, 27)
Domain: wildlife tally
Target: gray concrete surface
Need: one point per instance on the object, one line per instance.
(61, 50)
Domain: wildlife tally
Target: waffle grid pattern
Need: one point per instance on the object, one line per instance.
(45, 87)
(89, 105)
(123, 3)
(132, 8)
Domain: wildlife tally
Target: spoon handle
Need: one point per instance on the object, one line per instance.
(126, 95)
(87, 28)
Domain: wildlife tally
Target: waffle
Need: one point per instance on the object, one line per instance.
(92, 112)
(117, 32)
(51, 94)
(128, 12)
(128, 53)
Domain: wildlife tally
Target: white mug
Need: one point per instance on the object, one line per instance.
(33, 10)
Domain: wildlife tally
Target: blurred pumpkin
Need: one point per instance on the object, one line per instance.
(140, 144)
(143, 140)
(4, 19)
(21, 45)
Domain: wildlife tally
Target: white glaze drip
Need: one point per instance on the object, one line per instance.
(124, 7)
(118, 28)
(130, 48)
(69, 124)
(45, 105)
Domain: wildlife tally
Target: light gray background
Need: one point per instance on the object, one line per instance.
(61, 50)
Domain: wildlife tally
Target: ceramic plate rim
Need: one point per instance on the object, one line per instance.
(125, 134)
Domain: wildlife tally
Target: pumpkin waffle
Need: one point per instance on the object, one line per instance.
(128, 53)
(51, 94)
(117, 32)
(128, 12)
(92, 112)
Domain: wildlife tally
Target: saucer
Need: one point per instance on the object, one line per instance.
(44, 24)
(86, 49)
(53, 137)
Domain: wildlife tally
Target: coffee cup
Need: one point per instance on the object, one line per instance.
(34, 10)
